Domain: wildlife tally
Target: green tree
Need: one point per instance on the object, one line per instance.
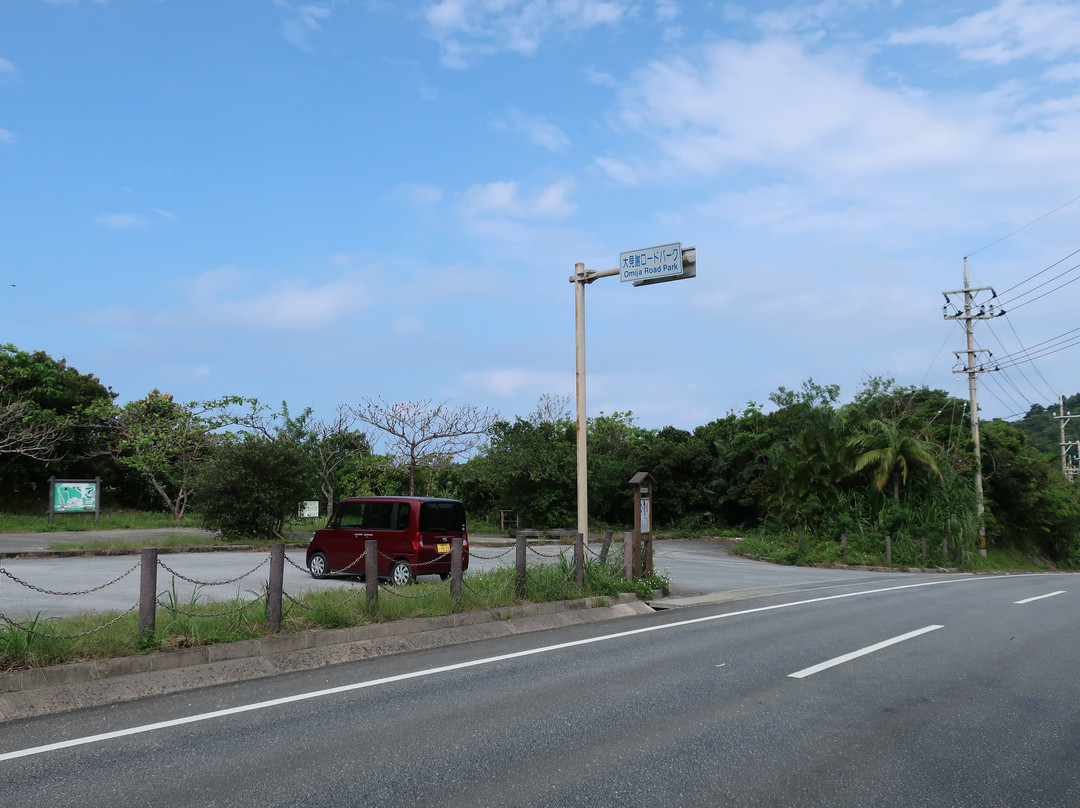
(891, 452)
(44, 427)
(165, 441)
(251, 485)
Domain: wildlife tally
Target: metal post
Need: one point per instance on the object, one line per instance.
(273, 593)
(579, 561)
(456, 545)
(519, 565)
(148, 593)
(371, 571)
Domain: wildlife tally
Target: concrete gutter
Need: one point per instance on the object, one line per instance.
(42, 691)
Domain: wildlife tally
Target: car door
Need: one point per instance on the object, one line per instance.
(346, 536)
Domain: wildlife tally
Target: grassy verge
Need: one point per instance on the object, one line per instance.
(109, 520)
(870, 552)
(197, 621)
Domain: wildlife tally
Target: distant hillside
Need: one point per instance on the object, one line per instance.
(1044, 430)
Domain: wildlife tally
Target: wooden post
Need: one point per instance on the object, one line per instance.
(371, 571)
(456, 545)
(579, 561)
(924, 551)
(843, 545)
(273, 593)
(605, 548)
(148, 593)
(519, 565)
(888, 550)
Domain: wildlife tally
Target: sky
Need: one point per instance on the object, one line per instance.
(323, 202)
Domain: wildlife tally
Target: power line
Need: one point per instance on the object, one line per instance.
(1025, 227)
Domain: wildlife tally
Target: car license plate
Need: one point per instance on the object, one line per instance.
(442, 548)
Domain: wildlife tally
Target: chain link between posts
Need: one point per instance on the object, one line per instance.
(173, 572)
(392, 590)
(35, 633)
(80, 592)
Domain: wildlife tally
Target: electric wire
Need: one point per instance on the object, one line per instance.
(1025, 227)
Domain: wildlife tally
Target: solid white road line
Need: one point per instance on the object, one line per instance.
(37, 750)
(840, 660)
(1039, 597)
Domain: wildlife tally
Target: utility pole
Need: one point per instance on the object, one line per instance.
(1063, 418)
(968, 316)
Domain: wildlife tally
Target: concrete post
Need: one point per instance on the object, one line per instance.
(371, 571)
(628, 555)
(456, 553)
(148, 593)
(273, 594)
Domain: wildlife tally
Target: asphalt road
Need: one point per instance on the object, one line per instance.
(912, 691)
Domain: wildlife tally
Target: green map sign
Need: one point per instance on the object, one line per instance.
(75, 496)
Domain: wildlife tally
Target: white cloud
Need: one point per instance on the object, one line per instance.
(421, 195)
(618, 170)
(7, 136)
(471, 29)
(667, 10)
(1013, 29)
(8, 68)
(1063, 73)
(306, 20)
(121, 221)
(536, 128)
(503, 199)
(771, 104)
(516, 381)
(291, 304)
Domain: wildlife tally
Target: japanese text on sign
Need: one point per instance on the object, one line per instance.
(651, 262)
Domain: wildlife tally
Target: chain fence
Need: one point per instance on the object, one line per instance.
(150, 600)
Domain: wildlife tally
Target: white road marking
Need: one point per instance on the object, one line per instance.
(840, 660)
(262, 705)
(1039, 597)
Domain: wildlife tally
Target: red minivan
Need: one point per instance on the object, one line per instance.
(413, 533)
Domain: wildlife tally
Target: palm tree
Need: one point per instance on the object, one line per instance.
(892, 453)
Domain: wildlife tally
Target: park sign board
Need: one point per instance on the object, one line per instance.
(665, 262)
(74, 496)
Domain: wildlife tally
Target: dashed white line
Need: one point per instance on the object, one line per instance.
(840, 660)
(1038, 597)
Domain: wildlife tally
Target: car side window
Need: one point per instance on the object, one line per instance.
(379, 516)
(403, 515)
(351, 515)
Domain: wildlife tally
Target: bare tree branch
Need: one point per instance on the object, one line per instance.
(24, 432)
(422, 432)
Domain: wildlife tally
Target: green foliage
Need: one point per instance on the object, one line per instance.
(251, 486)
(44, 401)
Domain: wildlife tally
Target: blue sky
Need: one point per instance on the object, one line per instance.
(318, 202)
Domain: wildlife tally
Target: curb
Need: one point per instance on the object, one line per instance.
(42, 691)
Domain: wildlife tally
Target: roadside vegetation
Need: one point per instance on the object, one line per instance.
(195, 621)
(893, 461)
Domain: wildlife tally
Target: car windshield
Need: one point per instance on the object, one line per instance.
(445, 516)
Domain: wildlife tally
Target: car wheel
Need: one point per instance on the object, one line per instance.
(318, 566)
(444, 576)
(401, 573)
